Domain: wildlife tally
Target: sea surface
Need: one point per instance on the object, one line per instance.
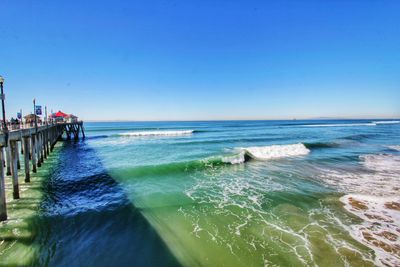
(223, 193)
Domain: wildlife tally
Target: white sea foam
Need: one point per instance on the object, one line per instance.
(374, 196)
(341, 124)
(379, 229)
(386, 122)
(242, 197)
(381, 176)
(276, 151)
(158, 133)
(235, 159)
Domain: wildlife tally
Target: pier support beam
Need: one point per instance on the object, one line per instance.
(3, 205)
(33, 153)
(47, 141)
(83, 132)
(18, 161)
(8, 159)
(44, 144)
(38, 151)
(14, 168)
(53, 138)
(41, 147)
(26, 143)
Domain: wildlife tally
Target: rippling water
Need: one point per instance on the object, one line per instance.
(232, 193)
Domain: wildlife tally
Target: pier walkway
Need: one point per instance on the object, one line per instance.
(35, 144)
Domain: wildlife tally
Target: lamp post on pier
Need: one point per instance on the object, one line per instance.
(39, 164)
(34, 113)
(4, 124)
(20, 112)
(3, 204)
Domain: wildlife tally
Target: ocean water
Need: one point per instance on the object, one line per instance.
(225, 193)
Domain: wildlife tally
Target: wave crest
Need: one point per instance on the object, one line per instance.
(386, 122)
(276, 151)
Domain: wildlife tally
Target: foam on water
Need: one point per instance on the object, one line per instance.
(386, 122)
(374, 196)
(158, 133)
(276, 151)
(380, 227)
(235, 159)
(243, 198)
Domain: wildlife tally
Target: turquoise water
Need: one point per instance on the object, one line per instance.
(227, 193)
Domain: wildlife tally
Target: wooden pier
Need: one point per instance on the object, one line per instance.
(35, 144)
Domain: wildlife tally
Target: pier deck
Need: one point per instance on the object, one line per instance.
(35, 143)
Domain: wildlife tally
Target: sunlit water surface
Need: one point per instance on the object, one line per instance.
(233, 193)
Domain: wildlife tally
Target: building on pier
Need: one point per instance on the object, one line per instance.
(30, 119)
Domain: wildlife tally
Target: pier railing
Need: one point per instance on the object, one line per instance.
(35, 144)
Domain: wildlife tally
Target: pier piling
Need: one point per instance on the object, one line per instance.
(26, 143)
(14, 168)
(18, 161)
(8, 159)
(33, 153)
(38, 151)
(3, 205)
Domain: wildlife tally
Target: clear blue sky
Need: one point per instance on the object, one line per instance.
(184, 60)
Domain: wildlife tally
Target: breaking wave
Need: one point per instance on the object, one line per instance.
(276, 151)
(267, 153)
(158, 133)
(245, 154)
(386, 122)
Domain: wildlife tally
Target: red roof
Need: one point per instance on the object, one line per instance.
(61, 114)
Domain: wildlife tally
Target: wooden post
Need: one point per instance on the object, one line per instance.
(8, 159)
(47, 140)
(83, 132)
(38, 152)
(3, 205)
(18, 162)
(33, 152)
(41, 147)
(14, 169)
(77, 132)
(68, 134)
(51, 138)
(22, 146)
(26, 143)
(44, 144)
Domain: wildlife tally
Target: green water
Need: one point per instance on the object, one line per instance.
(19, 232)
(231, 219)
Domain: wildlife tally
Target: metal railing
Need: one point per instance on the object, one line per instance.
(29, 125)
